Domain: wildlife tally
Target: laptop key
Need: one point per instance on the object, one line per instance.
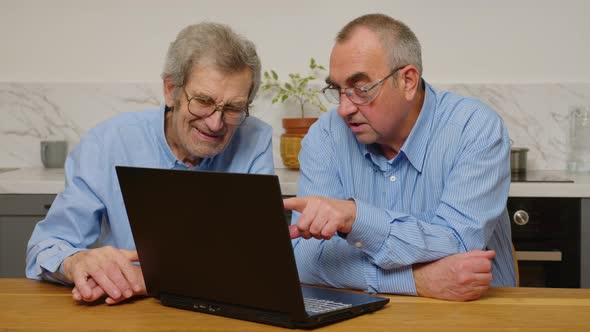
(319, 306)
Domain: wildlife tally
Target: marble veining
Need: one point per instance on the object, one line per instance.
(537, 115)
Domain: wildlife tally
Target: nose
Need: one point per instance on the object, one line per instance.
(346, 107)
(215, 121)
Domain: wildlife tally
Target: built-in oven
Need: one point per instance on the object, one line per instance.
(546, 236)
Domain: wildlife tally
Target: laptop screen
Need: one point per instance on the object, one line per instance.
(212, 236)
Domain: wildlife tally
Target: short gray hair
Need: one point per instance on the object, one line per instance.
(396, 37)
(211, 43)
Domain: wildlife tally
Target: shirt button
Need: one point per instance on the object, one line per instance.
(358, 244)
(392, 178)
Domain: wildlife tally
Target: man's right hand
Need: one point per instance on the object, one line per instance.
(104, 271)
(460, 277)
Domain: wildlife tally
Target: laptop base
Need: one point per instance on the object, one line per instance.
(260, 316)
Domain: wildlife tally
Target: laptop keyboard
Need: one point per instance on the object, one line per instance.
(318, 306)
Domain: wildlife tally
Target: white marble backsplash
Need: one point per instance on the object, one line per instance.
(536, 114)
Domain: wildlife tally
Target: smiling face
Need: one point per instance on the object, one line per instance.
(191, 138)
(388, 119)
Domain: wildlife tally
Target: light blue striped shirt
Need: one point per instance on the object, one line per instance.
(444, 193)
(91, 206)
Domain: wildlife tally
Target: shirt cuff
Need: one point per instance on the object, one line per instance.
(397, 281)
(51, 267)
(370, 228)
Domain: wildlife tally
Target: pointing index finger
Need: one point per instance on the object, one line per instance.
(295, 203)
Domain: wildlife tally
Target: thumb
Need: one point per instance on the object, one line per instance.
(294, 232)
(489, 254)
(130, 254)
(295, 203)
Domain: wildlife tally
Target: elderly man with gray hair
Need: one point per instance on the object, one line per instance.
(210, 77)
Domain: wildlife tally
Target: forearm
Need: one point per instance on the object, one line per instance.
(393, 240)
(336, 263)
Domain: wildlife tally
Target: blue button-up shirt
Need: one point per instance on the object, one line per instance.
(91, 207)
(444, 193)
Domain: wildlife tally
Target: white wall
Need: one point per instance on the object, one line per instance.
(504, 41)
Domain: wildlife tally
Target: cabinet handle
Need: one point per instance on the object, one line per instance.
(521, 217)
(47, 206)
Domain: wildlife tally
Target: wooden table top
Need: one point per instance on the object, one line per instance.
(28, 305)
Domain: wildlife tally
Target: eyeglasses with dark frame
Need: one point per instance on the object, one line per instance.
(358, 95)
(205, 106)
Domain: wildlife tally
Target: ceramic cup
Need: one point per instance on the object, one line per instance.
(53, 153)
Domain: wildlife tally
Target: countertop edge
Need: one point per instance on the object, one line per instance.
(51, 181)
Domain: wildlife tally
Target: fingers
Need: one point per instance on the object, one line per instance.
(322, 217)
(136, 270)
(112, 283)
(131, 279)
(482, 279)
(130, 254)
(97, 292)
(295, 203)
(81, 282)
(329, 230)
(307, 218)
(488, 254)
(96, 272)
(76, 294)
(475, 293)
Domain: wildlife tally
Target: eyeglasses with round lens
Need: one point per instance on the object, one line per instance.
(204, 107)
(358, 95)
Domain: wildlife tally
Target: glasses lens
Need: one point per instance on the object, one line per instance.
(204, 109)
(362, 96)
(200, 108)
(234, 117)
(332, 95)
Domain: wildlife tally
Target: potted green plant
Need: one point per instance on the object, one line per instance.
(298, 89)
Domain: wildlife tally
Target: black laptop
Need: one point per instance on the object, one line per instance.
(219, 243)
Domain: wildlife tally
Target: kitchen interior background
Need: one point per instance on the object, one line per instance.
(67, 65)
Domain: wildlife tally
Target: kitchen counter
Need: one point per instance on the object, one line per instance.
(51, 181)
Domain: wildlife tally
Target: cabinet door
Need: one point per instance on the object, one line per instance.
(19, 213)
(15, 232)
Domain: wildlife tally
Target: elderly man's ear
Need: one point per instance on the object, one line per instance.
(169, 92)
(409, 77)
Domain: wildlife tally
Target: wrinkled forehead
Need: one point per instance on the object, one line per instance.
(219, 84)
(360, 57)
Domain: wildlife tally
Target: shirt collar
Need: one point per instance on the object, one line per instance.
(415, 145)
(414, 148)
(170, 160)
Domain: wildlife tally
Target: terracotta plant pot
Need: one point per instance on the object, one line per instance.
(295, 129)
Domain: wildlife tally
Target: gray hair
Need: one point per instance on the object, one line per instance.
(396, 37)
(211, 44)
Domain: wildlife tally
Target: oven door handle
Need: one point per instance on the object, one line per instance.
(539, 256)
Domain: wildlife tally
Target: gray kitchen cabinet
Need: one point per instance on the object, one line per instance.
(18, 215)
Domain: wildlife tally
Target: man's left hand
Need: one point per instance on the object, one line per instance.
(98, 292)
(460, 277)
(321, 217)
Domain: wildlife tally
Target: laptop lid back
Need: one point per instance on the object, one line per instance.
(213, 236)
